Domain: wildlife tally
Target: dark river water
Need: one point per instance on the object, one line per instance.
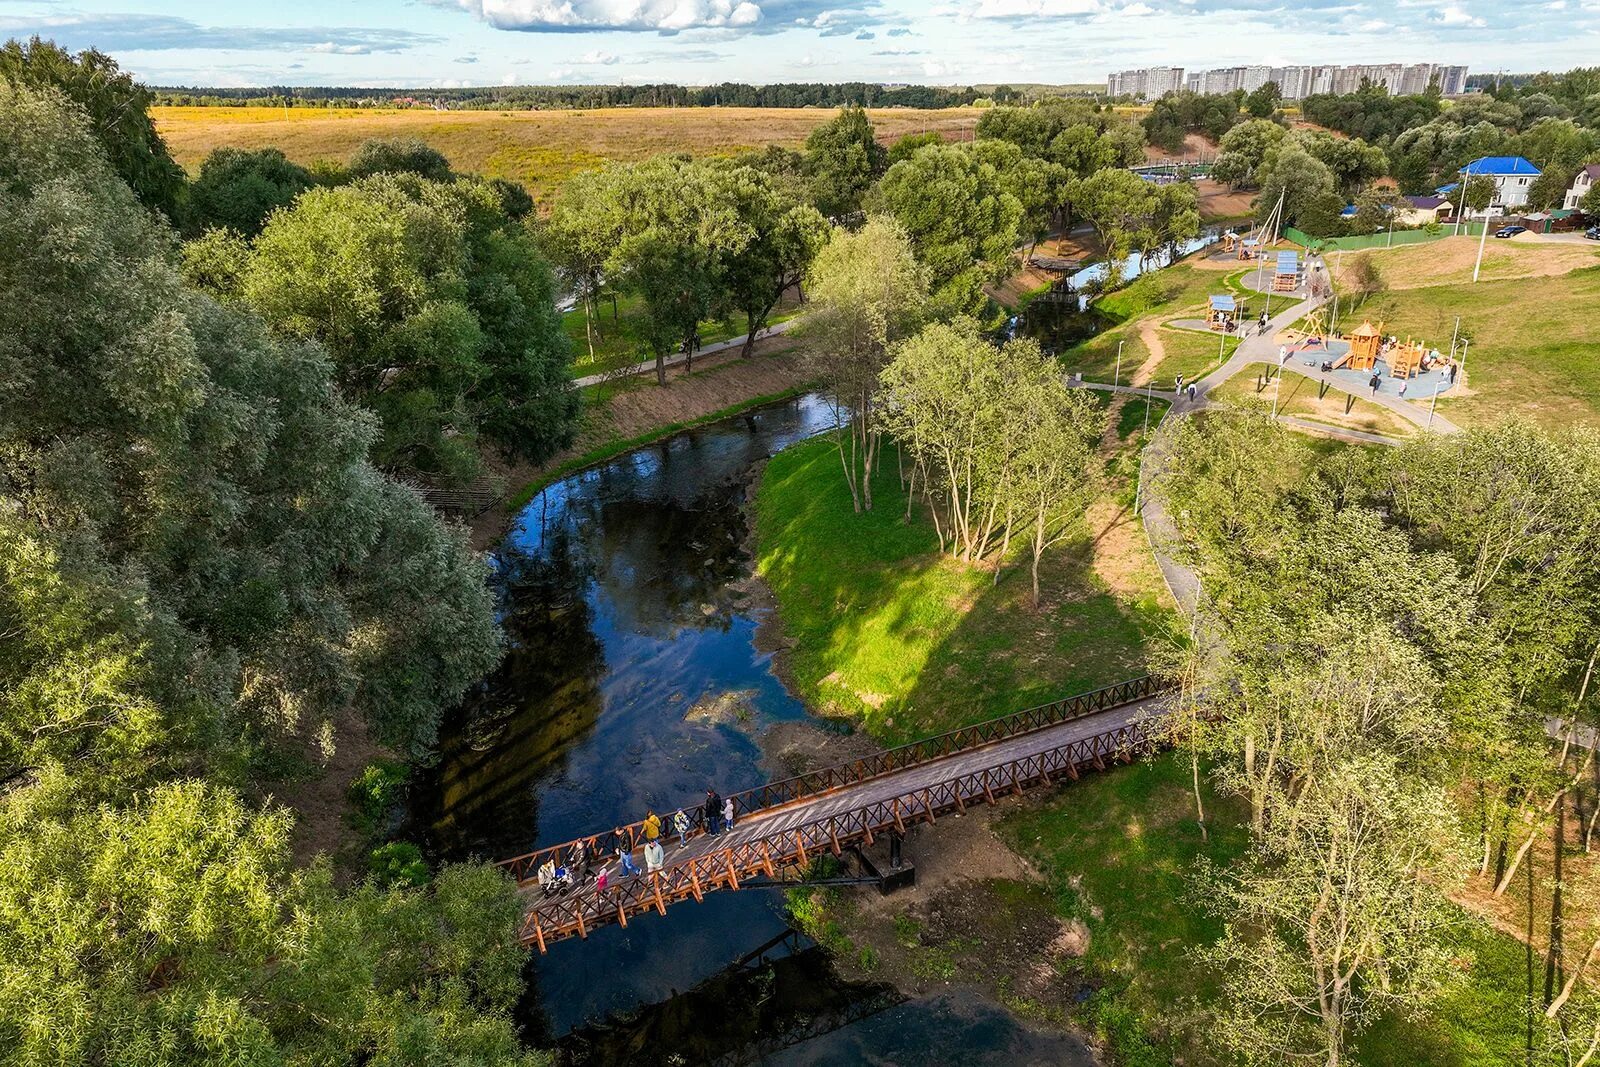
(622, 593)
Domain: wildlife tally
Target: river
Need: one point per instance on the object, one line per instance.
(624, 594)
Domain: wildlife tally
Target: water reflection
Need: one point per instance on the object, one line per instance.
(620, 591)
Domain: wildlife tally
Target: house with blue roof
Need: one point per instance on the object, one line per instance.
(1512, 177)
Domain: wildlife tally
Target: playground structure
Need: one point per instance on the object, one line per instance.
(1224, 313)
(1286, 274)
(1241, 246)
(1314, 334)
(1405, 360)
(1365, 340)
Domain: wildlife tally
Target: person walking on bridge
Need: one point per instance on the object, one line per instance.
(654, 857)
(713, 812)
(625, 852)
(680, 823)
(727, 814)
(580, 861)
(652, 825)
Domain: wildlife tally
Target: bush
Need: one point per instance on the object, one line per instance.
(398, 863)
(376, 790)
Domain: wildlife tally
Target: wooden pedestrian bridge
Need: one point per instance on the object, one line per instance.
(783, 826)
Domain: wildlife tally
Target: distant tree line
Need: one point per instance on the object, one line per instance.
(524, 97)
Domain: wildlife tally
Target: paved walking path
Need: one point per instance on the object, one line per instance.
(649, 365)
(1262, 348)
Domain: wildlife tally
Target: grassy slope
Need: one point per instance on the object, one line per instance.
(540, 149)
(1533, 343)
(1117, 850)
(913, 643)
(1180, 288)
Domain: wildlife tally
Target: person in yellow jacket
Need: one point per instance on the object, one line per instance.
(652, 826)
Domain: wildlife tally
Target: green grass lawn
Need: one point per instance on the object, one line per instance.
(1117, 850)
(617, 339)
(909, 642)
(1158, 296)
(1533, 350)
(1191, 354)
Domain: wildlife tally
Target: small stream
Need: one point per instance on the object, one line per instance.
(624, 594)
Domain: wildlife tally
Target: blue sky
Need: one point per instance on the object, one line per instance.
(420, 43)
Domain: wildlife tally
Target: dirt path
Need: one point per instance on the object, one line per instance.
(1150, 334)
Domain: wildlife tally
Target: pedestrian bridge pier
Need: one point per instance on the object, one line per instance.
(783, 826)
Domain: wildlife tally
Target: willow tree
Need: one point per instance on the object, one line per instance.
(868, 292)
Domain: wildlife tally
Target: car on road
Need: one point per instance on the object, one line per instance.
(1511, 231)
(1592, 233)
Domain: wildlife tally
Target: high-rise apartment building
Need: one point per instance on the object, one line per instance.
(1295, 82)
(1149, 83)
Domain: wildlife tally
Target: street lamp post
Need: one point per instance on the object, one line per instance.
(1483, 239)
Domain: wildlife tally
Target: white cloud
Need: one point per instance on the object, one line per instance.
(1018, 9)
(669, 16)
(1454, 15)
(328, 48)
(600, 58)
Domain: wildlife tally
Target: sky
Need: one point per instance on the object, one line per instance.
(439, 43)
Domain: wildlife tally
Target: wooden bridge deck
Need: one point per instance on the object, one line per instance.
(787, 824)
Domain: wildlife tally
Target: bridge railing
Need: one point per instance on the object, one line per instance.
(775, 794)
(583, 908)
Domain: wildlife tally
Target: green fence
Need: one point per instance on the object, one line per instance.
(1385, 239)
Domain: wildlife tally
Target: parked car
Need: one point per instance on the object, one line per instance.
(1511, 231)
(1592, 233)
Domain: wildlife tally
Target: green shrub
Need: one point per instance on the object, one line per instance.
(398, 863)
(376, 790)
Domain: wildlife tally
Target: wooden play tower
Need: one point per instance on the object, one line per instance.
(1365, 340)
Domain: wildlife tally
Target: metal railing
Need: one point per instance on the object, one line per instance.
(814, 783)
(577, 911)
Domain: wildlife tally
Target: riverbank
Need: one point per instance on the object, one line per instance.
(625, 415)
(886, 632)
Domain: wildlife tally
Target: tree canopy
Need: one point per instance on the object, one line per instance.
(117, 109)
(843, 158)
(238, 188)
(438, 311)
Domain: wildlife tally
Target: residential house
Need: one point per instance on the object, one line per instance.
(1587, 179)
(1512, 176)
(1421, 210)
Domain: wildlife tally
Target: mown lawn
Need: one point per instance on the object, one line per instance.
(1156, 297)
(910, 643)
(618, 342)
(1118, 851)
(1533, 344)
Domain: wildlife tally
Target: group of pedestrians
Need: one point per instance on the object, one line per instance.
(589, 859)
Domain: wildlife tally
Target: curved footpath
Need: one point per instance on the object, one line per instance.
(1160, 530)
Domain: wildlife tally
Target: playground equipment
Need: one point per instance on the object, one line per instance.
(1314, 334)
(1240, 245)
(1365, 340)
(1286, 275)
(1223, 313)
(1405, 360)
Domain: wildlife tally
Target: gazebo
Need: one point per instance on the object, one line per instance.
(1286, 275)
(1222, 313)
(1364, 343)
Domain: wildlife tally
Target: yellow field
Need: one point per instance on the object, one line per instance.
(540, 149)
